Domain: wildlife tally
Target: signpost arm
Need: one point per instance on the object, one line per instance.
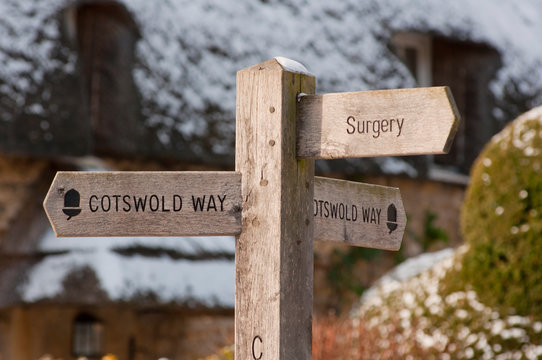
(274, 253)
(376, 123)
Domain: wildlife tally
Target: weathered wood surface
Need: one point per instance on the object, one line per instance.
(376, 123)
(145, 203)
(274, 253)
(358, 214)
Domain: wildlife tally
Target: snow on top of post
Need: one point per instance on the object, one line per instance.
(292, 66)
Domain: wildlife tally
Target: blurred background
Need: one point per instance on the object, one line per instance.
(142, 85)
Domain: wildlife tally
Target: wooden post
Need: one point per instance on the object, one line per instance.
(274, 253)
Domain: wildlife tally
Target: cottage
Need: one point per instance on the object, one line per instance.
(136, 85)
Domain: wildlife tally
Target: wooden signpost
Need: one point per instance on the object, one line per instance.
(273, 202)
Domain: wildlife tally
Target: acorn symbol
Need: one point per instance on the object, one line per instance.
(392, 218)
(71, 203)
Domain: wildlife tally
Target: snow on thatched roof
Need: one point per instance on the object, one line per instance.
(192, 272)
(189, 51)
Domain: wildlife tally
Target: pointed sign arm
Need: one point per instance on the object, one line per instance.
(358, 214)
(376, 123)
(145, 203)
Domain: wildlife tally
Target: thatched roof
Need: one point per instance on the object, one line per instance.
(187, 55)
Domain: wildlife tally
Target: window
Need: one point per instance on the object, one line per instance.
(415, 52)
(467, 68)
(88, 332)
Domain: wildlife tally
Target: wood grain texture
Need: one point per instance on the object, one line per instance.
(146, 203)
(274, 253)
(357, 214)
(376, 123)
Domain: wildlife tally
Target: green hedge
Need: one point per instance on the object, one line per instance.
(502, 219)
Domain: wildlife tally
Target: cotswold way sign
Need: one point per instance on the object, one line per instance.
(358, 214)
(272, 202)
(145, 203)
(178, 203)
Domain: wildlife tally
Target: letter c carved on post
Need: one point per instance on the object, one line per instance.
(258, 338)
